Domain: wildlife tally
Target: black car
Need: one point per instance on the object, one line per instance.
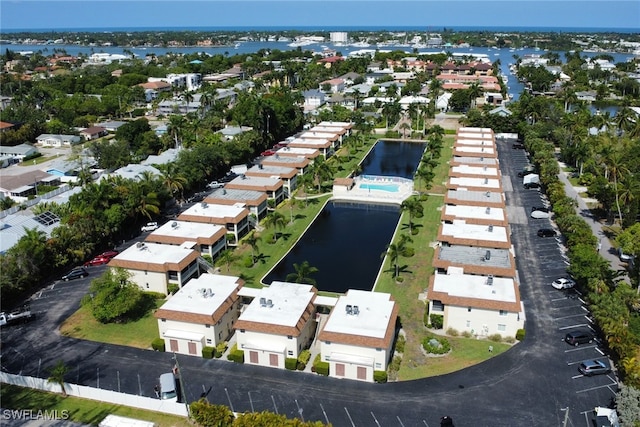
(546, 232)
(581, 336)
(76, 273)
(530, 185)
(539, 208)
(518, 146)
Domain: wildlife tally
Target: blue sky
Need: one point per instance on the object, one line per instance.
(54, 14)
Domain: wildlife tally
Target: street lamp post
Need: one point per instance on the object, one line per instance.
(178, 373)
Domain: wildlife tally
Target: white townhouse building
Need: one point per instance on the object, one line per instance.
(459, 232)
(358, 336)
(235, 218)
(155, 266)
(278, 324)
(201, 314)
(207, 239)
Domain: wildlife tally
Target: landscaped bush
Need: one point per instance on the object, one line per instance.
(236, 355)
(220, 349)
(380, 376)
(467, 334)
(291, 363)
(443, 346)
(394, 366)
(400, 343)
(425, 318)
(247, 262)
(399, 279)
(520, 334)
(409, 252)
(158, 344)
(320, 367)
(495, 337)
(437, 321)
(207, 352)
(303, 359)
(509, 340)
(172, 288)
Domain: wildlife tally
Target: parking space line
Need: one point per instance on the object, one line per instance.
(582, 347)
(594, 388)
(573, 326)
(568, 317)
(600, 351)
(577, 376)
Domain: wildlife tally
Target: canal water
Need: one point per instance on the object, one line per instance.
(346, 241)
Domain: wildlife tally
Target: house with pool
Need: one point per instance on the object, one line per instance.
(278, 324)
(358, 335)
(201, 314)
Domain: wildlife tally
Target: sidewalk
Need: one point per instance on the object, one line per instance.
(607, 250)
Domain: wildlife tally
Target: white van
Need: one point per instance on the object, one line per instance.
(168, 387)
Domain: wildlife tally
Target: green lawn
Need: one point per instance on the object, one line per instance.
(80, 410)
(137, 334)
(39, 160)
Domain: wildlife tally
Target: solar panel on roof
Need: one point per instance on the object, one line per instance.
(47, 218)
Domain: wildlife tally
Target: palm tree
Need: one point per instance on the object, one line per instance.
(321, 171)
(413, 207)
(56, 375)
(252, 240)
(426, 175)
(615, 163)
(404, 126)
(274, 220)
(303, 273)
(474, 90)
(227, 257)
(172, 180)
(393, 252)
(176, 127)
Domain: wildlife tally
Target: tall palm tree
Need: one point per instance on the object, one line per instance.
(617, 167)
(403, 127)
(413, 207)
(227, 257)
(321, 171)
(176, 128)
(276, 221)
(56, 375)
(172, 179)
(425, 174)
(303, 273)
(252, 240)
(474, 90)
(393, 253)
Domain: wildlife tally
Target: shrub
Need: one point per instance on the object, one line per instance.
(220, 349)
(425, 318)
(509, 340)
(236, 355)
(414, 231)
(394, 366)
(320, 367)
(290, 363)
(158, 344)
(400, 342)
(424, 197)
(495, 337)
(443, 346)
(172, 288)
(437, 321)
(247, 262)
(399, 279)
(207, 258)
(380, 376)
(467, 334)
(207, 352)
(520, 334)
(453, 332)
(409, 252)
(303, 359)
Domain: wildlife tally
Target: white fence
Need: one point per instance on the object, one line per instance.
(142, 402)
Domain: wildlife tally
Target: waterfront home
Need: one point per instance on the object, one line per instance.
(235, 218)
(207, 239)
(255, 201)
(459, 232)
(272, 186)
(475, 260)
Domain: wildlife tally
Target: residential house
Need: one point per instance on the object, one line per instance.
(313, 98)
(111, 126)
(332, 86)
(207, 239)
(18, 152)
(278, 324)
(229, 133)
(459, 232)
(167, 156)
(50, 140)
(299, 162)
(20, 187)
(93, 132)
(273, 187)
(479, 305)
(357, 338)
(288, 175)
(155, 267)
(201, 314)
(233, 217)
(255, 201)
(475, 260)
(153, 88)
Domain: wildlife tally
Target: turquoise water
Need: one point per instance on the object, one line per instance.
(391, 188)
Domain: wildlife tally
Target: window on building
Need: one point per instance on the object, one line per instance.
(468, 323)
(290, 353)
(437, 305)
(289, 337)
(502, 328)
(163, 320)
(469, 309)
(503, 313)
(207, 326)
(209, 341)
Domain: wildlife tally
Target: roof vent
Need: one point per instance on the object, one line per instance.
(356, 310)
(140, 245)
(488, 194)
(269, 303)
(487, 256)
(224, 191)
(490, 280)
(174, 224)
(243, 176)
(491, 229)
(486, 180)
(263, 302)
(203, 205)
(349, 309)
(488, 210)
(260, 166)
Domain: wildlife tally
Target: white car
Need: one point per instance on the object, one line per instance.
(150, 226)
(563, 283)
(215, 184)
(539, 214)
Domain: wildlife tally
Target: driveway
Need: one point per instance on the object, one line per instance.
(531, 384)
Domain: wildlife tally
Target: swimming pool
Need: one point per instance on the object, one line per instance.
(391, 188)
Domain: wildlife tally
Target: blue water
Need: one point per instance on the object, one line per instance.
(391, 188)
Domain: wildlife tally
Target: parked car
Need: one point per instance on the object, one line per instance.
(539, 214)
(539, 208)
(546, 232)
(76, 273)
(594, 367)
(624, 257)
(150, 226)
(268, 153)
(517, 146)
(530, 185)
(563, 283)
(109, 254)
(522, 174)
(99, 260)
(580, 336)
(215, 184)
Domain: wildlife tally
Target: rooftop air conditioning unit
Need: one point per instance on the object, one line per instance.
(486, 180)
(487, 256)
(356, 310)
(263, 302)
(349, 309)
(140, 245)
(490, 280)
(203, 204)
(488, 210)
(491, 229)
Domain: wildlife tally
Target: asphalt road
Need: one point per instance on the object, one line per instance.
(530, 385)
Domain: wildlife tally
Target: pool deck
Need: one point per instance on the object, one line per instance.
(372, 195)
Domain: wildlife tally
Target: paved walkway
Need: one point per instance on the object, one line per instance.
(607, 250)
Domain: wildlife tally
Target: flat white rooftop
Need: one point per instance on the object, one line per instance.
(477, 287)
(256, 181)
(475, 196)
(488, 183)
(203, 295)
(154, 253)
(475, 170)
(207, 210)
(477, 212)
(271, 169)
(320, 143)
(316, 134)
(374, 310)
(475, 130)
(461, 230)
(469, 141)
(298, 150)
(488, 150)
(281, 303)
(475, 160)
(192, 230)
